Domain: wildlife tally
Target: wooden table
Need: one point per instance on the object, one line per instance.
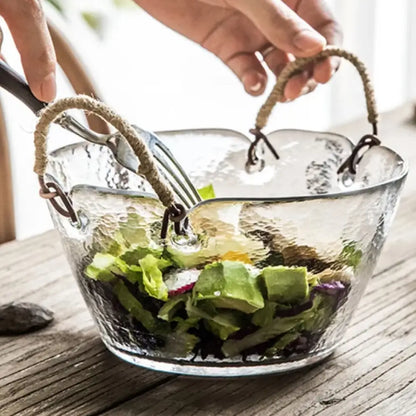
(65, 369)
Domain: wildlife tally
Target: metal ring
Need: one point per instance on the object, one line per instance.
(352, 161)
(177, 214)
(252, 158)
(46, 193)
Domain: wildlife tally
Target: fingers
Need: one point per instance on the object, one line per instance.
(296, 84)
(319, 15)
(324, 70)
(275, 59)
(29, 30)
(250, 71)
(282, 26)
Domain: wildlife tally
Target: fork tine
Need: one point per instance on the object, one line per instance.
(129, 166)
(176, 181)
(160, 145)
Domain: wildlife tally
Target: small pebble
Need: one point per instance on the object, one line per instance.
(23, 318)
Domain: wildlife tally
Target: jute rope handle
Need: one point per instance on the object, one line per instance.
(147, 163)
(299, 64)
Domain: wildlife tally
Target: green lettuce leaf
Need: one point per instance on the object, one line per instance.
(184, 325)
(132, 305)
(277, 327)
(105, 266)
(172, 306)
(222, 324)
(152, 276)
(316, 318)
(135, 254)
(229, 285)
(207, 192)
(264, 316)
(351, 255)
(282, 343)
(323, 312)
(180, 344)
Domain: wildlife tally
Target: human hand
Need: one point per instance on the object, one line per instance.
(27, 25)
(238, 30)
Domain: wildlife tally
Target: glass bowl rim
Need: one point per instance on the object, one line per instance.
(300, 198)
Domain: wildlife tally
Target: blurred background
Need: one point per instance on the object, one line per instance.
(161, 81)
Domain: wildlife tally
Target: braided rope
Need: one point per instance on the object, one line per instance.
(147, 162)
(296, 66)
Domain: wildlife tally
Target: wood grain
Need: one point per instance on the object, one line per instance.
(65, 369)
(7, 224)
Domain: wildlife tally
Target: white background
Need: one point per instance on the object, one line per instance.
(159, 80)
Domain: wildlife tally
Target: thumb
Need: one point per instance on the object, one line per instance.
(281, 26)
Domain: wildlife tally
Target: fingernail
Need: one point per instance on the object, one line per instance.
(48, 87)
(255, 87)
(305, 90)
(307, 40)
(253, 82)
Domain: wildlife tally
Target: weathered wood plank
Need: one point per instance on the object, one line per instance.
(7, 225)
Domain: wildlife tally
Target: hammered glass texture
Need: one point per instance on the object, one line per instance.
(298, 200)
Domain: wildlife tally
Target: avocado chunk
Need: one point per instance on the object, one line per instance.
(229, 285)
(286, 285)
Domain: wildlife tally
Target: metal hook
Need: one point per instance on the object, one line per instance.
(352, 161)
(177, 214)
(252, 158)
(47, 193)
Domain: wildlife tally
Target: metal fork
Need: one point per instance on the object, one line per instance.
(168, 166)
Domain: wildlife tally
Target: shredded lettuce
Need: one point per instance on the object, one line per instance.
(282, 343)
(173, 305)
(315, 318)
(104, 267)
(180, 343)
(221, 324)
(264, 316)
(233, 308)
(136, 309)
(351, 255)
(133, 255)
(152, 276)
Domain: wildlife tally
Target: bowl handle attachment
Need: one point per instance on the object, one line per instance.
(174, 212)
(277, 94)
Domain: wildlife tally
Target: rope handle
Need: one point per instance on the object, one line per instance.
(147, 162)
(299, 64)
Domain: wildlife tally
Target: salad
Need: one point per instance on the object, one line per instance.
(230, 305)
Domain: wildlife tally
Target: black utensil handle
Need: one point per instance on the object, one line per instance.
(13, 82)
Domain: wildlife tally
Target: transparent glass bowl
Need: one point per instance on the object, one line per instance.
(296, 212)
